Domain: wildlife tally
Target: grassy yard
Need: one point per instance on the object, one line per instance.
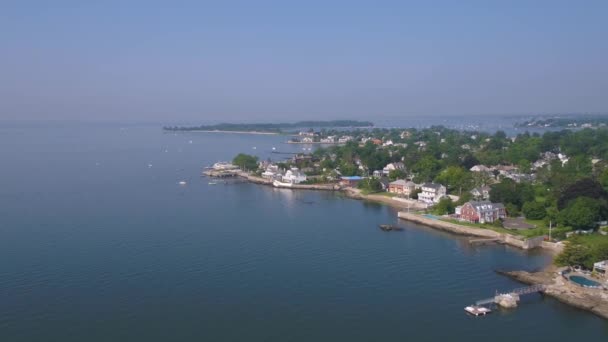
(482, 226)
(379, 193)
(593, 239)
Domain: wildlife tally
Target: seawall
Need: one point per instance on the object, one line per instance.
(512, 240)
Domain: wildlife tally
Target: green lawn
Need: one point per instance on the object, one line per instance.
(593, 239)
(482, 226)
(381, 193)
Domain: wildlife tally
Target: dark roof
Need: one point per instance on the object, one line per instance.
(432, 185)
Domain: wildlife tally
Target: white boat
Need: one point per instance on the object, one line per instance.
(221, 166)
(212, 183)
(279, 184)
(477, 310)
(182, 182)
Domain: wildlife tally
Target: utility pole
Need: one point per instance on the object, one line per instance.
(550, 226)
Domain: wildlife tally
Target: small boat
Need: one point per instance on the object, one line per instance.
(388, 227)
(477, 310)
(212, 183)
(182, 182)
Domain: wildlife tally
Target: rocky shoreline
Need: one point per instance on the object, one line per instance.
(592, 300)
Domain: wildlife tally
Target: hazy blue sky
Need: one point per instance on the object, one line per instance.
(233, 60)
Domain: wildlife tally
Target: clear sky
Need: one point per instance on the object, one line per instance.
(225, 60)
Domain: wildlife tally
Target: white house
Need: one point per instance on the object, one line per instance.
(388, 143)
(482, 192)
(307, 140)
(329, 140)
(392, 167)
(480, 168)
(431, 193)
(345, 139)
(271, 172)
(294, 176)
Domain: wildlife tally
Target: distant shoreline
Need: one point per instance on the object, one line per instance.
(231, 132)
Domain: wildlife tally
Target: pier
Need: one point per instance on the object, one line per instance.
(510, 299)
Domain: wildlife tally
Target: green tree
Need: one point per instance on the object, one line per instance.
(534, 210)
(370, 184)
(510, 192)
(585, 187)
(445, 206)
(582, 213)
(396, 174)
(575, 253)
(246, 162)
(551, 216)
(455, 178)
(348, 169)
(414, 194)
(426, 168)
(512, 210)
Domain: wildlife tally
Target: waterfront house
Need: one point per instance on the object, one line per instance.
(307, 134)
(329, 139)
(271, 172)
(397, 187)
(481, 193)
(402, 187)
(350, 181)
(481, 212)
(431, 193)
(344, 139)
(293, 176)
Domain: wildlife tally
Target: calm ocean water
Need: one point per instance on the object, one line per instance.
(100, 243)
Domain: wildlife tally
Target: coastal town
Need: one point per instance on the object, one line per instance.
(528, 191)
